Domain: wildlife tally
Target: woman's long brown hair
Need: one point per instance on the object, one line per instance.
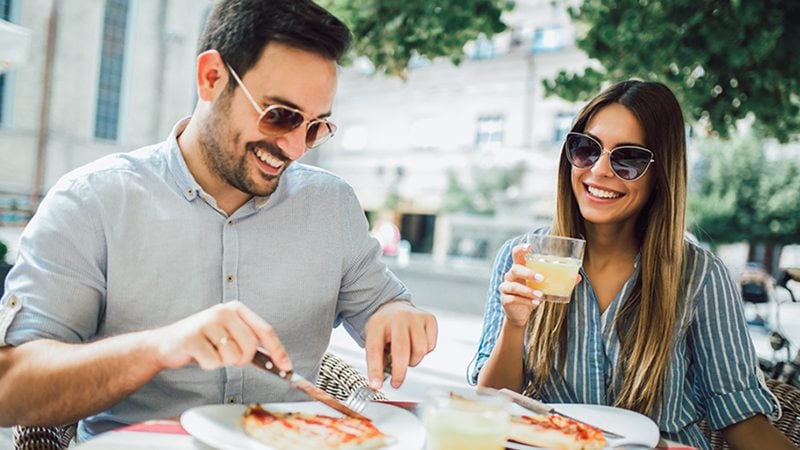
(647, 322)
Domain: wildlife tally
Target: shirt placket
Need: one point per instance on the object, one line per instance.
(234, 377)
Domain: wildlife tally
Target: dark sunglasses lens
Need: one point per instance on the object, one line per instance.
(278, 120)
(629, 163)
(318, 133)
(582, 152)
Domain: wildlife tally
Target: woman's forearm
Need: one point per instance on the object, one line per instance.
(504, 368)
(756, 433)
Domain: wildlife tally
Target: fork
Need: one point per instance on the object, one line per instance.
(358, 398)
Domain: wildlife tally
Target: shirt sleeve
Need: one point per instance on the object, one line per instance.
(57, 284)
(366, 281)
(493, 314)
(723, 354)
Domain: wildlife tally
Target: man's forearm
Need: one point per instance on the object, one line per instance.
(47, 382)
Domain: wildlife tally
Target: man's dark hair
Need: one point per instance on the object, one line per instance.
(240, 30)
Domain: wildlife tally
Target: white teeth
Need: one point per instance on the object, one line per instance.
(601, 193)
(269, 159)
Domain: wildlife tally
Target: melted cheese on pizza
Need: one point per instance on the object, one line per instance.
(294, 430)
(556, 432)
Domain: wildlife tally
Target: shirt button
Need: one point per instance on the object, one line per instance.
(230, 221)
(190, 191)
(230, 278)
(13, 302)
(231, 399)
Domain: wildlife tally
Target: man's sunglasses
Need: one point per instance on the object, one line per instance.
(628, 162)
(278, 120)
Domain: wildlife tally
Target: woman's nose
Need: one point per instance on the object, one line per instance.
(603, 165)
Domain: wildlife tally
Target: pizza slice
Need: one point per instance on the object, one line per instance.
(296, 430)
(555, 432)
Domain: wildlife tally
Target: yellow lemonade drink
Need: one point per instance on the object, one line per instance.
(466, 430)
(466, 420)
(560, 274)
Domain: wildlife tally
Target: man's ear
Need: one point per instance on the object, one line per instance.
(212, 75)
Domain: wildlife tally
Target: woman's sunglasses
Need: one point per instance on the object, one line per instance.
(628, 162)
(278, 120)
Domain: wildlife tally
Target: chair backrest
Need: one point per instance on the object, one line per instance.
(789, 424)
(336, 377)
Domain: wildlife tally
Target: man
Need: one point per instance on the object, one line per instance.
(195, 252)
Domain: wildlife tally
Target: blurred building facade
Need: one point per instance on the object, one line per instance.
(400, 143)
(120, 74)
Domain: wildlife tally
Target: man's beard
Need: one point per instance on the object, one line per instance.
(227, 166)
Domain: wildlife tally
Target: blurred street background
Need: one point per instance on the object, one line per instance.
(450, 123)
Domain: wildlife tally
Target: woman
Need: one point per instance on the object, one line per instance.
(655, 323)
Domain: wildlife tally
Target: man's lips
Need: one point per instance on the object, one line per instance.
(268, 162)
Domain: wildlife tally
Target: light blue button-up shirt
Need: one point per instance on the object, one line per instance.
(714, 371)
(132, 242)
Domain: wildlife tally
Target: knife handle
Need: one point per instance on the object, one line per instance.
(527, 402)
(263, 361)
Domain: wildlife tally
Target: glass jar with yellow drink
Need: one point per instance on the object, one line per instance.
(558, 259)
(466, 419)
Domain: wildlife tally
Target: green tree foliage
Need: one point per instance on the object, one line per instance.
(389, 33)
(724, 59)
(744, 196)
(482, 192)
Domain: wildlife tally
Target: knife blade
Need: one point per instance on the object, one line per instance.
(542, 408)
(263, 361)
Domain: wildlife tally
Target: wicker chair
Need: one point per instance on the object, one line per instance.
(336, 377)
(789, 423)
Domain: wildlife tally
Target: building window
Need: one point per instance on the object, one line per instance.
(6, 10)
(490, 130)
(548, 39)
(109, 89)
(562, 125)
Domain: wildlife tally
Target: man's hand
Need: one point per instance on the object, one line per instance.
(408, 332)
(223, 335)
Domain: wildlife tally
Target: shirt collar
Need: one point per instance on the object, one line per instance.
(177, 165)
(184, 179)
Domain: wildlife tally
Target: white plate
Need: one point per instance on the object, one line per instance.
(220, 426)
(636, 428)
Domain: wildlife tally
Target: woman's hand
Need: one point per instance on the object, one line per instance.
(517, 298)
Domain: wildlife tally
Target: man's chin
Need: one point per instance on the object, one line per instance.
(267, 186)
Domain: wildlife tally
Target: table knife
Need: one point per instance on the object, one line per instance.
(542, 408)
(263, 361)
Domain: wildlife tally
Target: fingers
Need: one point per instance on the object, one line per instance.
(375, 343)
(512, 291)
(518, 253)
(409, 334)
(522, 274)
(224, 335)
(400, 347)
(267, 337)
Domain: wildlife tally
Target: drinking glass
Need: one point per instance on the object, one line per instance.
(460, 419)
(558, 259)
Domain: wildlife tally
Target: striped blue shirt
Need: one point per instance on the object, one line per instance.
(714, 371)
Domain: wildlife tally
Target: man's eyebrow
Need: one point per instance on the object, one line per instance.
(283, 101)
(619, 144)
